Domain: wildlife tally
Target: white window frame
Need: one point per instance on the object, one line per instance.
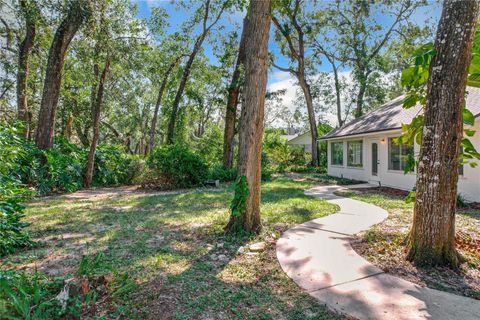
(357, 158)
(332, 153)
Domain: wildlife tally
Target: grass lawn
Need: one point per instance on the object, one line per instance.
(384, 244)
(165, 255)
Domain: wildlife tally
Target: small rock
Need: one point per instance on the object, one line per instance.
(258, 247)
(251, 253)
(213, 257)
(273, 236)
(220, 245)
(222, 257)
(209, 247)
(241, 250)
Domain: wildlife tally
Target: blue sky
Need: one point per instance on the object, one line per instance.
(277, 80)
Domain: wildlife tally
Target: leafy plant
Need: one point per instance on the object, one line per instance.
(177, 166)
(27, 296)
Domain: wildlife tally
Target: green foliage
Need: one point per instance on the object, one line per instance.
(177, 166)
(112, 166)
(219, 172)
(210, 145)
(12, 191)
(279, 156)
(27, 296)
(415, 78)
(239, 201)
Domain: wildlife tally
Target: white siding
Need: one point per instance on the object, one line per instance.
(468, 184)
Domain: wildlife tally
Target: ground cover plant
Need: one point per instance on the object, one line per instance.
(165, 254)
(384, 244)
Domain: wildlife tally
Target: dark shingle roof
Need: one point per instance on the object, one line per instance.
(392, 115)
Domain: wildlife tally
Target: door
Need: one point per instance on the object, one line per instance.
(375, 161)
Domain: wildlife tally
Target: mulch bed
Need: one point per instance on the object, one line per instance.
(384, 246)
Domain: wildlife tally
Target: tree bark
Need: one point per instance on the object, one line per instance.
(360, 97)
(29, 10)
(78, 12)
(188, 67)
(311, 118)
(153, 127)
(337, 94)
(96, 125)
(432, 237)
(251, 125)
(296, 46)
(232, 103)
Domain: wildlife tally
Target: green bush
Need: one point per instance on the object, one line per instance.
(112, 166)
(28, 296)
(12, 191)
(219, 172)
(176, 166)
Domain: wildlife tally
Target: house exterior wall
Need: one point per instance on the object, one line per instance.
(468, 184)
(304, 141)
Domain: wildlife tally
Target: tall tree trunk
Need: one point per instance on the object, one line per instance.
(153, 127)
(432, 237)
(181, 88)
(362, 82)
(337, 94)
(96, 125)
(188, 66)
(78, 12)
(311, 117)
(232, 103)
(29, 9)
(245, 216)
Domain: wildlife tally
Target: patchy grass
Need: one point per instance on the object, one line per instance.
(165, 255)
(321, 178)
(384, 244)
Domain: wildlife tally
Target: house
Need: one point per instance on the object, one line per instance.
(364, 149)
(303, 141)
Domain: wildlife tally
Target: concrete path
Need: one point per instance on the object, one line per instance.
(317, 255)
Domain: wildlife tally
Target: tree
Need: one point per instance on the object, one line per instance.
(208, 9)
(78, 12)
(294, 33)
(358, 39)
(96, 124)
(432, 237)
(161, 91)
(232, 103)
(30, 12)
(245, 216)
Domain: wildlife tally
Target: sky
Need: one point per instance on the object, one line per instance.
(277, 80)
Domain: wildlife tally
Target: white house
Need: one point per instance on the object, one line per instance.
(303, 140)
(363, 149)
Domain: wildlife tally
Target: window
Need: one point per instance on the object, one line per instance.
(336, 149)
(398, 155)
(355, 150)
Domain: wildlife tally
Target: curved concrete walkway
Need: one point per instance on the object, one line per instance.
(317, 255)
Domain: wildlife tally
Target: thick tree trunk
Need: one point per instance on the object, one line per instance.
(96, 125)
(77, 14)
(311, 117)
(232, 103)
(432, 238)
(247, 217)
(23, 54)
(153, 127)
(360, 97)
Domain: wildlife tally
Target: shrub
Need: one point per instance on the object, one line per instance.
(111, 165)
(12, 191)
(219, 172)
(176, 166)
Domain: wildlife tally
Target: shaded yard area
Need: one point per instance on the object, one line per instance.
(165, 255)
(384, 244)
